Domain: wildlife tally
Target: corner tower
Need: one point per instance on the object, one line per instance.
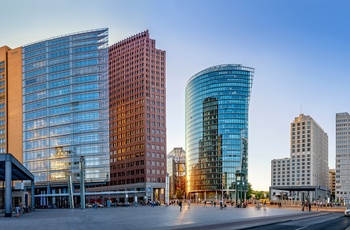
(137, 103)
(217, 104)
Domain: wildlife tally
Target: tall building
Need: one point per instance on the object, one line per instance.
(65, 111)
(176, 169)
(309, 152)
(137, 83)
(305, 174)
(342, 159)
(11, 101)
(217, 104)
(332, 184)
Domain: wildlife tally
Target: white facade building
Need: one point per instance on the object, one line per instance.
(280, 172)
(308, 163)
(342, 165)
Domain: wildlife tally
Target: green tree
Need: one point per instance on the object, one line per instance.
(250, 191)
(260, 194)
(179, 193)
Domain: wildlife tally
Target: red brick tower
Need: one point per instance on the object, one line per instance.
(137, 105)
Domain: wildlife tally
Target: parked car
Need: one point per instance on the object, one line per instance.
(347, 211)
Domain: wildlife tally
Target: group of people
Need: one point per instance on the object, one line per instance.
(306, 204)
(22, 209)
(179, 202)
(213, 203)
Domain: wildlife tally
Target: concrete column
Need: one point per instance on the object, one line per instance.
(82, 182)
(166, 189)
(48, 188)
(8, 188)
(32, 195)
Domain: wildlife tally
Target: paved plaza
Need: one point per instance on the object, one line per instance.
(146, 217)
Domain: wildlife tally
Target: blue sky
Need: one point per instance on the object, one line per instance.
(299, 49)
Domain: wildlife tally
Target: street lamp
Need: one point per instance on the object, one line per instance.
(82, 182)
(241, 185)
(222, 188)
(238, 185)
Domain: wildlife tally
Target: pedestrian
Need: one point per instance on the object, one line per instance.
(180, 204)
(309, 206)
(18, 209)
(189, 204)
(205, 203)
(302, 206)
(214, 203)
(265, 205)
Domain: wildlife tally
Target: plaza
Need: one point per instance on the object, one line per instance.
(159, 217)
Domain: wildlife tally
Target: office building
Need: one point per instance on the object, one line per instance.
(309, 153)
(280, 169)
(11, 101)
(137, 102)
(342, 159)
(217, 105)
(304, 176)
(332, 184)
(65, 112)
(176, 169)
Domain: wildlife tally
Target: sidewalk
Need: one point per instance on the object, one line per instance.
(313, 208)
(145, 217)
(254, 222)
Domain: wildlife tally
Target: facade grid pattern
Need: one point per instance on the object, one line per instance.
(308, 162)
(342, 167)
(137, 85)
(65, 107)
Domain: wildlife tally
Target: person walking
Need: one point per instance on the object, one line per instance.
(180, 204)
(302, 206)
(189, 204)
(309, 206)
(18, 210)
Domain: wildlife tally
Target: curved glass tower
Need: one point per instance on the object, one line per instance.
(65, 109)
(217, 103)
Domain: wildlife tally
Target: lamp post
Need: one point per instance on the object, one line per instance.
(238, 186)
(222, 188)
(82, 182)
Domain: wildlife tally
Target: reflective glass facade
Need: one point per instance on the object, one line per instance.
(217, 102)
(65, 107)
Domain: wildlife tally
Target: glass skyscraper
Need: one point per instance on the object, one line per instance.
(217, 103)
(65, 109)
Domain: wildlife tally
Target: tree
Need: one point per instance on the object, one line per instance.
(250, 191)
(179, 193)
(260, 195)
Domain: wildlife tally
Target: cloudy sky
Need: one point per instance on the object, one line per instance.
(300, 50)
